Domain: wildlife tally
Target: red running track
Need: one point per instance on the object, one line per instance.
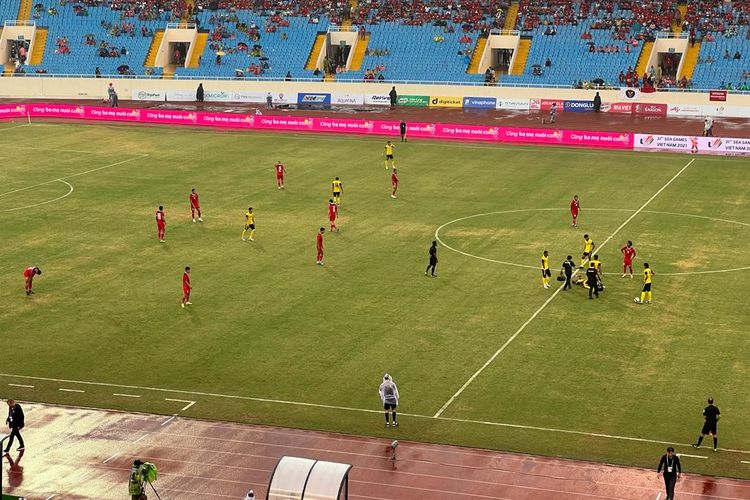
(77, 453)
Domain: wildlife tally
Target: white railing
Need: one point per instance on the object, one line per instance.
(336, 29)
(181, 26)
(496, 31)
(19, 22)
(669, 34)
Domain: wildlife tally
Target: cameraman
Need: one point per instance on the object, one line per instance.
(137, 483)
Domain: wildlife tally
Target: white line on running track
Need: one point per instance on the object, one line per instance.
(70, 191)
(551, 297)
(110, 458)
(126, 395)
(188, 405)
(360, 410)
(22, 385)
(75, 175)
(168, 420)
(142, 437)
(658, 495)
(744, 462)
(70, 390)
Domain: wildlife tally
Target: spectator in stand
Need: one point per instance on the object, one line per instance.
(548, 63)
(726, 54)
(737, 56)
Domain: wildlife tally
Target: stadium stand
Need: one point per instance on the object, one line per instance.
(563, 43)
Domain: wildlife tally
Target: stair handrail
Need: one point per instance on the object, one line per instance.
(19, 22)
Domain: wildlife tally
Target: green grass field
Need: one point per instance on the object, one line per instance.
(270, 326)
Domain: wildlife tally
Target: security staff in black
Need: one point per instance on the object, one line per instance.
(592, 280)
(433, 259)
(672, 470)
(567, 271)
(16, 421)
(712, 415)
(402, 129)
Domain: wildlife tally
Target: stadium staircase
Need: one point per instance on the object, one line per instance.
(24, 9)
(476, 56)
(200, 46)
(677, 27)
(169, 70)
(40, 42)
(642, 65)
(312, 59)
(519, 64)
(691, 59)
(150, 61)
(8, 69)
(185, 17)
(511, 16)
(359, 53)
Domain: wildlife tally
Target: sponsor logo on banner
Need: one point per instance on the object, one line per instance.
(148, 95)
(629, 94)
(513, 103)
(12, 110)
(717, 95)
(545, 104)
(313, 98)
(348, 99)
(378, 99)
(181, 95)
(480, 102)
(678, 110)
(412, 100)
(693, 144)
(650, 109)
(578, 106)
(248, 97)
(620, 107)
(444, 101)
(737, 146)
(217, 96)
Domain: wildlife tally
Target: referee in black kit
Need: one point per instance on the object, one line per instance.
(672, 470)
(712, 415)
(567, 271)
(433, 259)
(402, 130)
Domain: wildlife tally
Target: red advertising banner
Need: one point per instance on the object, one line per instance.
(545, 104)
(649, 109)
(621, 107)
(717, 95)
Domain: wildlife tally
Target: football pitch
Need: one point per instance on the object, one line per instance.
(482, 355)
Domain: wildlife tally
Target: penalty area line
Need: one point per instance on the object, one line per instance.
(555, 294)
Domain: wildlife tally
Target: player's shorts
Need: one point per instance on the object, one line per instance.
(586, 255)
(546, 273)
(195, 206)
(647, 287)
(709, 428)
(389, 406)
(573, 213)
(332, 218)
(249, 226)
(388, 157)
(628, 263)
(337, 193)
(186, 291)
(161, 225)
(279, 176)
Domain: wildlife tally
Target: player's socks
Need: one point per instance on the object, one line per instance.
(649, 296)
(700, 440)
(643, 296)
(716, 443)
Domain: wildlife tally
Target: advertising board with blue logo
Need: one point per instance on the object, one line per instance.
(313, 100)
(578, 106)
(480, 102)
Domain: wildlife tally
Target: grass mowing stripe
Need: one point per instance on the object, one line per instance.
(559, 289)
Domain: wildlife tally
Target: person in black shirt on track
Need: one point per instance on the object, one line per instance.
(712, 415)
(592, 280)
(433, 259)
(672, 470)
(402, 129)
(567, 271)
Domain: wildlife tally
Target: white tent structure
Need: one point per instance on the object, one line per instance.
(296, 478)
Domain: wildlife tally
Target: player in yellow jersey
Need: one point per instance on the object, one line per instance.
(337, 188)
(546, 274)
(249, 224)
(588, 247)
(648, 275)
(389, 155)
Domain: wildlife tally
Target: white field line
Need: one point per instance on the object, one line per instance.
(692, 456)
(126, 395)
(70, 191)
(188, 405)
(744, 461)
(70, 390)
(364, 410)
(551, 297)
(22, 385)
(74, 175)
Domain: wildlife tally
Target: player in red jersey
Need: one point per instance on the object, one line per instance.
(280, 171)
(394, 182)
(575, 207)
(319, 246)
(161, 224)
(28, 277)
(186, 287)
(628, 254)
(195, 205)
(333, 213)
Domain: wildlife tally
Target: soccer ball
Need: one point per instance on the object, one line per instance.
(637, 300)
